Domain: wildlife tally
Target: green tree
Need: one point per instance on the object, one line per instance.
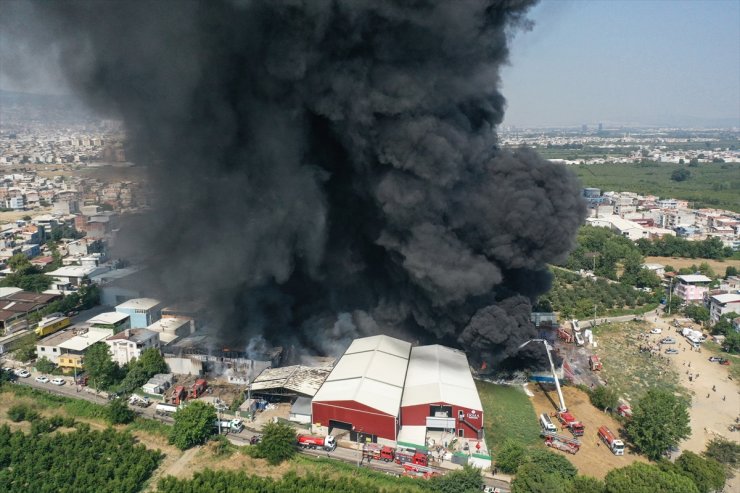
(730, 271)
(646, 478)
(724, 324)
(511, 455)
(552, 463)
(659, 421)
(118, 412)
(586, 484)
(531, 478)
(6, 376)
(278, 442)
(681, 174)
(26, 348)
(142, 369)
(19, 262)
(99, 366)
(697, 313)
(603, 397)
(468, 479)
(193, 425)
(673, 304)
(707, 474)
(44, 365)
(732, 342)
(724, 452)
(152, 362)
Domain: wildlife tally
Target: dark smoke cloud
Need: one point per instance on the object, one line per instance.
(324, 157)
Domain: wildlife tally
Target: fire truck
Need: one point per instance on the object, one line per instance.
(562, 442)
(373, 451)
(409, 457)
(611, 441)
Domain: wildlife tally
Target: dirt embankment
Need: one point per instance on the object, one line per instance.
(593, 458)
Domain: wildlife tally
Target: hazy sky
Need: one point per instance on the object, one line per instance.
(626, 61)
(653, 62)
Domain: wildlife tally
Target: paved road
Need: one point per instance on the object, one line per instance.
(350, 456)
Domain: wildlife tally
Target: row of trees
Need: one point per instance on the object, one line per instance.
(574, 296)
(674, 246)
(466, 480)
(80, 461)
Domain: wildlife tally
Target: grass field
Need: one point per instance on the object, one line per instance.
(718, 266)
(710, 185)
(629, 371)
(507, 413)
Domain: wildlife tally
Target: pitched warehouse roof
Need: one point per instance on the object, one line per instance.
(440, 374)
(371, 372)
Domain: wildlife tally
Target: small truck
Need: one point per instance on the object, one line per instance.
(229, 425)
(594, 363)
(611, 441)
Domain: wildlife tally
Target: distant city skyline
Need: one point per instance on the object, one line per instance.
(626, 62)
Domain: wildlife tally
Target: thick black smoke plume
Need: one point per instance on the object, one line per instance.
(316, 158)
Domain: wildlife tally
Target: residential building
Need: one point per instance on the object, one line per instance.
(48, 347)
(114, 321)
(171, 329)
(130, 343)
(71, 277)
(143, 311)
(723, 303)
(692, 287)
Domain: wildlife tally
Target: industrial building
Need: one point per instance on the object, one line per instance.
(384, 390)
(440, 393)
(363, 392)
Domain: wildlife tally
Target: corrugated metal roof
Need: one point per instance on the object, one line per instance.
(440, 374)
(301, 379)
(371, 372)
(84, 340)
(689, 278)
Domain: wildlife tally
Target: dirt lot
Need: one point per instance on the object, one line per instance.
(627, 369)
(593, 459)
(679, 263)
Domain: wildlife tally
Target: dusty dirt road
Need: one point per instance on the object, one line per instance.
(715, 401)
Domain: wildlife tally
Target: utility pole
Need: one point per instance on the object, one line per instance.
(670, 293)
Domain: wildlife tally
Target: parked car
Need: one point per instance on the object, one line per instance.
(671, 351)
(58, 381)
(714, 359)
(22, 373)
(656, 330)
(668, 340)
(42, 379)
(724, 361)
(255, 439)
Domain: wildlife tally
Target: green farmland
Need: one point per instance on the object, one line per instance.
(710, 185)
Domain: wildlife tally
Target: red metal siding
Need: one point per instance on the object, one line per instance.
(363, 418)
(416, 416)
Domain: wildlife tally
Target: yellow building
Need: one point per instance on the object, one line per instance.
(71, 361)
